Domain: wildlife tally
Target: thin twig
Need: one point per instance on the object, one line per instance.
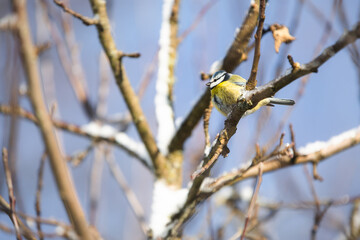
(129, 194)
(207, 115)
(324, 38)
(103, 89)
(12, 199)
(68, 52)
(319, 215)
(312, 188)
(25, 231)
(96, 182)
(38, 194)
(5, 207)
(293, 26)
(86, 20)
(197, 20)
(237, 53)
(253, 200)
(76, 76)
(251, 83)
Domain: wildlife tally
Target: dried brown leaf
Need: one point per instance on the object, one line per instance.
(281, 35)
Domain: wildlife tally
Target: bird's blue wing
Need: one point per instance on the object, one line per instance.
(236, 79)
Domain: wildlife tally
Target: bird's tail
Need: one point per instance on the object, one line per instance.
(281, 101)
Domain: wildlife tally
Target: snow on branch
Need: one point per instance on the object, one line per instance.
(167, 58)
(166, 202)
(331, 143)
(311, 153)
(106, 131)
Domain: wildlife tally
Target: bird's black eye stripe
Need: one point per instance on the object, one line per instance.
(218, 77)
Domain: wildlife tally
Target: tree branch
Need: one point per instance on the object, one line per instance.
(237, 53)
(25, 231)
(58, 164)
(94, 132)
(251, 83)
(114, 56)
(253, 201)
(234, 56)
(168, 43)
(251, 99)
(311, 153)
(86, 20)
(12, 199)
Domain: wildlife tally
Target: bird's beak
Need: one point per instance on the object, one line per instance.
(208, 84)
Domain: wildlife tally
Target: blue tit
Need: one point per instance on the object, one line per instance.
(227, 89)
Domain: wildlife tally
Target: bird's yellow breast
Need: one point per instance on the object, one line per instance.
(227, 92)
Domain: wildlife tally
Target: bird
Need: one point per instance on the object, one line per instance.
(227, 89)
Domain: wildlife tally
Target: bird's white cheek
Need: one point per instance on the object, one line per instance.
(212, 85)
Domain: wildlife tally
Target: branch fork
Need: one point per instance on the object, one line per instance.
(86, 20)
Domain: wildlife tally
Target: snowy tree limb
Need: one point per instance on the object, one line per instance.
(166, 74)
(93, 131)
(115, 58)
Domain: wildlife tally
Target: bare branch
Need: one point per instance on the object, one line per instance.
(12, 199)
(253, 201)
(96, 182)
(25, 231)
(237, 52)
(62, 176)
(132, 102)
(38, 194)
(86, 20)
(251, 83)
(129, 194)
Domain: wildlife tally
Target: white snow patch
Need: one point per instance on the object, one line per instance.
(133, 146)
(95, 129)
(318, 145)
(166, 202)
(205, 185)
(163, 109)
(69, 233)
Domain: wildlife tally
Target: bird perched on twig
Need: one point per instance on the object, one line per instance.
(227, 89)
